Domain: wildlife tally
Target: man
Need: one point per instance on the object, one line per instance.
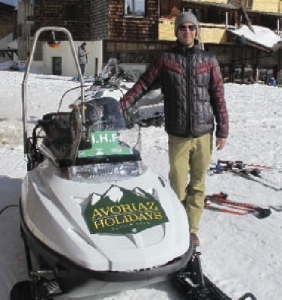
(272, 81)
(193, 98)
(82, 57)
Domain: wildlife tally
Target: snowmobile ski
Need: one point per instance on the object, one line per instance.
(192, 283)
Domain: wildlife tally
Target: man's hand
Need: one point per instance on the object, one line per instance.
(130, 114)
(220, 143)
(128, 118)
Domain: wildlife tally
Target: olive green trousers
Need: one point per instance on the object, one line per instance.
(190, 156)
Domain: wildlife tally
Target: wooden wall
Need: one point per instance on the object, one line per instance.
(123, 28)
(99, 19)
(267, 6)
(214, 1)
(53, 13)
(169, 8)
(7, 13)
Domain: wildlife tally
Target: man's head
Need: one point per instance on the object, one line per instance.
(185, 28)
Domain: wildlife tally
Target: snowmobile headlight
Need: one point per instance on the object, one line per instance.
(106, 172)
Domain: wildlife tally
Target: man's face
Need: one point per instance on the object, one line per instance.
(186, 34)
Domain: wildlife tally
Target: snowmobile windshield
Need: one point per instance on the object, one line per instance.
(112, 151)
(108, 138)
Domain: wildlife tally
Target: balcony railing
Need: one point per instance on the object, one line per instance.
(208, 32)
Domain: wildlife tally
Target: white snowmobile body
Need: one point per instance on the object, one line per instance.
(110, 218)
(52, 210)
(91, 212)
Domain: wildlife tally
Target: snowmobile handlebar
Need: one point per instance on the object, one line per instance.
(131, 117)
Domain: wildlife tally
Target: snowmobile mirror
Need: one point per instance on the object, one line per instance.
(53, 43)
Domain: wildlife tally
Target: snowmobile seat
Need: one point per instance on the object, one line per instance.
(60, 135)
(57, 126)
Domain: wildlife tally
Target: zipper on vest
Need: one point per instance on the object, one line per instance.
(188, 87)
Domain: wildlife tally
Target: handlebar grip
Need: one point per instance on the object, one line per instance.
(127, 118)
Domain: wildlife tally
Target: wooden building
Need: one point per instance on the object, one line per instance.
(240, 60)
(135, 31)
(8, 18)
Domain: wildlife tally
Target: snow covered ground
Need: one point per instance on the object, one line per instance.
(239, 253)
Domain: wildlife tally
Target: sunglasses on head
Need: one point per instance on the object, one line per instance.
(190, 27)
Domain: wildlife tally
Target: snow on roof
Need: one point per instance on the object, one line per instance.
(262, 37)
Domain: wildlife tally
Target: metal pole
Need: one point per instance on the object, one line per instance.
(27, 71)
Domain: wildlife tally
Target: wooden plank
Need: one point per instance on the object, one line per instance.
(269, 6)
(210, 33)
(133, 28)
(214, 1)
(213, 35)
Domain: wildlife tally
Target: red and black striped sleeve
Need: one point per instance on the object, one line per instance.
(142, 85)
(218, 101)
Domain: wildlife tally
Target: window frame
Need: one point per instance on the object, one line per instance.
(133, 5)
(145, 52)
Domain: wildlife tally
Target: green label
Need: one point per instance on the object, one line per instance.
(122, 211)
(105, 143)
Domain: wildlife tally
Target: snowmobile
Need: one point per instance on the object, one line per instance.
(94, 218)
(150, 105)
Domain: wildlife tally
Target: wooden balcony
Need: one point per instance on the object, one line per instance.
(166, 29)
(209, 33)
(214, 1)
(270, 6)
(213, 33)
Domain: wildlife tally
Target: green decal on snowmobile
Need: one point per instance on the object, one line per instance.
(105, 143)
(122, 211)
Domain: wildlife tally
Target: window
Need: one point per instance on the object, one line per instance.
(248, 3)
(56, 65)
(134, 8)
(133, 52)
(215, 16)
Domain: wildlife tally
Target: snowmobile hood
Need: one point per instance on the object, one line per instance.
(133, 224)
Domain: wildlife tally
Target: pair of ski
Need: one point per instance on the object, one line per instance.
(220, 202)
(247, 171)
(237, 166)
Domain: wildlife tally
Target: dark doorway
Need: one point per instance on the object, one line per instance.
(56, 65)
(96, 66)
